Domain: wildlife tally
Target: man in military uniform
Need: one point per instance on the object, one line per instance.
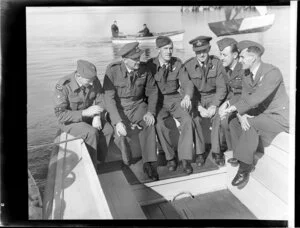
(128, 84)
(207, 74)
(263, 107)
(79, 102)
(229, 57)
(167, 73)
(114, 29)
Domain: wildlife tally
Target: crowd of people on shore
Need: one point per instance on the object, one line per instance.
(243, 97)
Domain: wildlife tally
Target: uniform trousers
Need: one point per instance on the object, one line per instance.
(146, 136)
(96, 141)
(170, 106)
(264, 125)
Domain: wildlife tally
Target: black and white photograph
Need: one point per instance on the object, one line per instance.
(161, 112)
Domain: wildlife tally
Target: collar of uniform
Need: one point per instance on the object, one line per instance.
(233, 67)
(124, 69)
(254, 71)
(74, 84)
(198, 64)
(158, 63)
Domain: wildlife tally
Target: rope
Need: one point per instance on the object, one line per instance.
(55, 143)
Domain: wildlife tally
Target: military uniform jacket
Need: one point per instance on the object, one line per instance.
(267, 94)
(175, 77)
(210, 82)
(70, 99)
(234, 83)
(121, 94)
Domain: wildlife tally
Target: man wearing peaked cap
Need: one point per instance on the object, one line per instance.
(229, 56)
(263, 108)
(207, 75)
(79, 106)
(131, 51)
(127, 85)
(169, 78)
(200, 43)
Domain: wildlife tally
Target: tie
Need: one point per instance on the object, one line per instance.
(251, 77)
(229, 72)
(83, 89)
(203, 68)
(165, 71)
(131, 79)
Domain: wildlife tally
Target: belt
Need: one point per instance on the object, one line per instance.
(170, 94)
(207, 93)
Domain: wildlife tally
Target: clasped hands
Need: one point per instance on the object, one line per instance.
(121, 128)
(226, 108)
(207, 113)
(94, 111)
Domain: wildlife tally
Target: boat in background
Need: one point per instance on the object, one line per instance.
(174, 35)
(244, 25)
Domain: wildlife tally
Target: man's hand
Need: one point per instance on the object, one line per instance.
(203, 112)
(121, 129)
(244, 121)
(149, 119)
(92, 110)
(224, 106)
(186, 102)
(211, 111)
(223, 114)
(97, 122)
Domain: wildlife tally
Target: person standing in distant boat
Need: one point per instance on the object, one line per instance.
(79, 105)
(262, 110)
(145, 31)
(114, 29)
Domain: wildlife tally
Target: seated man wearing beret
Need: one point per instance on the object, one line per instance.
(79, 102)
(128, 84)
(207, 75)
(229, 57)
(263, 107)
(167, 73)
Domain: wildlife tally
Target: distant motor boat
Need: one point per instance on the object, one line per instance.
(174, 35)
(243, 25)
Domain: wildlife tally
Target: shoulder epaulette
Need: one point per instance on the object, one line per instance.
(188, 60)
(114, 64)
(214, 57)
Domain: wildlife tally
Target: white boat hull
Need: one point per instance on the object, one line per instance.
(174, 38)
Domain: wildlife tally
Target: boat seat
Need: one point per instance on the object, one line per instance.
(266, 193)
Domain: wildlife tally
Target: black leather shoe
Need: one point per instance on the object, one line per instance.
(187, 168)
(233, 161)
(219, 159)
(172, 165)
(150, 170)
(240, 178)
(200, 160)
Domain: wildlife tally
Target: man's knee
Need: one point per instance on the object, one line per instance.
(224, 123)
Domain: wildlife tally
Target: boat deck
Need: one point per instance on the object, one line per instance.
(220, 204)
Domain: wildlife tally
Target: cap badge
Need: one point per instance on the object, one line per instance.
(199, 43)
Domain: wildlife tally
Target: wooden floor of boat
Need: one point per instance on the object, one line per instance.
(135, 175)
(214, 205)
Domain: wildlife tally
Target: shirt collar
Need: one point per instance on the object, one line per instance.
(233, 66)
(76, 84)
(254, 71)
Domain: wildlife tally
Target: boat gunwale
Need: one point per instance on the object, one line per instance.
(172, 33)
